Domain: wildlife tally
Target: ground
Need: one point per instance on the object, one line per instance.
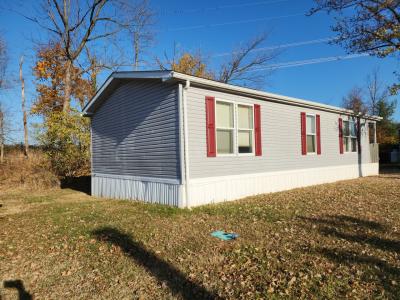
(339, 240)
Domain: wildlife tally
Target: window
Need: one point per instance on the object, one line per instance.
(349, 136)
(371, 132)
(234, 128)
(245, 129)
(311, 134)
(225, 127)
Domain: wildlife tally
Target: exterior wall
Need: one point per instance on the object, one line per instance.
(135, 143)
(214, 179)
(137, 137)
(225, 188)
(137, 188)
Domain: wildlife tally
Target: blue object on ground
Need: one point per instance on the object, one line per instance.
(224, 235)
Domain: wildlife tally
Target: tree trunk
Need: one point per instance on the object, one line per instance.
(136, 50)
(1, 137)
(67, 87)
(25, 122)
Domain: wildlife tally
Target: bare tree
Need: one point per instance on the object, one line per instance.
(3, 65)
(137, 19)
(245, 60)
(354, 101)
(192, 63)
(3, 61)
(376, 91)
(242, 66)
(75, 25)
(24, 118)
(2, 134)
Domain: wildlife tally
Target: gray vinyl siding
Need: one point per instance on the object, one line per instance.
(135, 132)
(281, 140)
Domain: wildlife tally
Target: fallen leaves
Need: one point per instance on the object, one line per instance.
(331, 241)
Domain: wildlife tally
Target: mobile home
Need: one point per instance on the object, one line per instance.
(170, 138)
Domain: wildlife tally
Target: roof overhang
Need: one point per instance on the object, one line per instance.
(116, 77)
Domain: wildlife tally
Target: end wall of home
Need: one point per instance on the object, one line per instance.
(135, 143)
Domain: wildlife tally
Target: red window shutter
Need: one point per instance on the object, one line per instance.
(257, 129)
(210, 126)
(341, 135)
(318, 127)
(303, 134)
(359, 135)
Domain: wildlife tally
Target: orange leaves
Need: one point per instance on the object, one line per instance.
(49, 71)
(192, 64)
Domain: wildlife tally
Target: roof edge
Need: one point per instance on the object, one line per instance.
(165, 75)
(270, 96)
(168, 74)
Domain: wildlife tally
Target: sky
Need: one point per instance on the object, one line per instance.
(217, 27)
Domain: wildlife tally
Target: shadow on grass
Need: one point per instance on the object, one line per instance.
(19, 286)
(177, 282)
(80, 184)
(380, 271)
(362, 232)
(344, 221)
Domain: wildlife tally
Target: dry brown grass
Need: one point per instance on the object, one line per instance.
(333, 241)
(33, 173)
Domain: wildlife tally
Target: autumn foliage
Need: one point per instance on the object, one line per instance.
(192, 64)
(65, 135)
(49, 72)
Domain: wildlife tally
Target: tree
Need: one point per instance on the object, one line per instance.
(3, 65)
(2, 134)
(354, 101)
(376, 91)
(240, 67)
(65, 136)
(386, 131)
(66, 141)
(371, 26)
(365, 25)
(243, 62)
(138, 18)
(188, 63)
(75, 25)
(3, 62)
(24, 116)
(381, 104)
(49, 72)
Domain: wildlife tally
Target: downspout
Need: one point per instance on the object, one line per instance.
(186, 143)
(181, 203)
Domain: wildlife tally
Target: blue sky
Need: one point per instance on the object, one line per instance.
(216, 27)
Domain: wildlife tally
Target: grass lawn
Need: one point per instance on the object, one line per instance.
(331, 241)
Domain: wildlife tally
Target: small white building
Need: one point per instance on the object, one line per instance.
(170, 138)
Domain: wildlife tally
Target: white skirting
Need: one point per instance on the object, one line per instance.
(153, 190)
(226, 188)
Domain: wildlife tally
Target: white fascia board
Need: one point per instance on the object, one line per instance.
(143, 74)
(268, 96)
(167, 75)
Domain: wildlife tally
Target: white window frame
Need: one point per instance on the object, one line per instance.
(350, 137)
(235, 129)
(225, 128)
(252, 153)
(314, 134)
